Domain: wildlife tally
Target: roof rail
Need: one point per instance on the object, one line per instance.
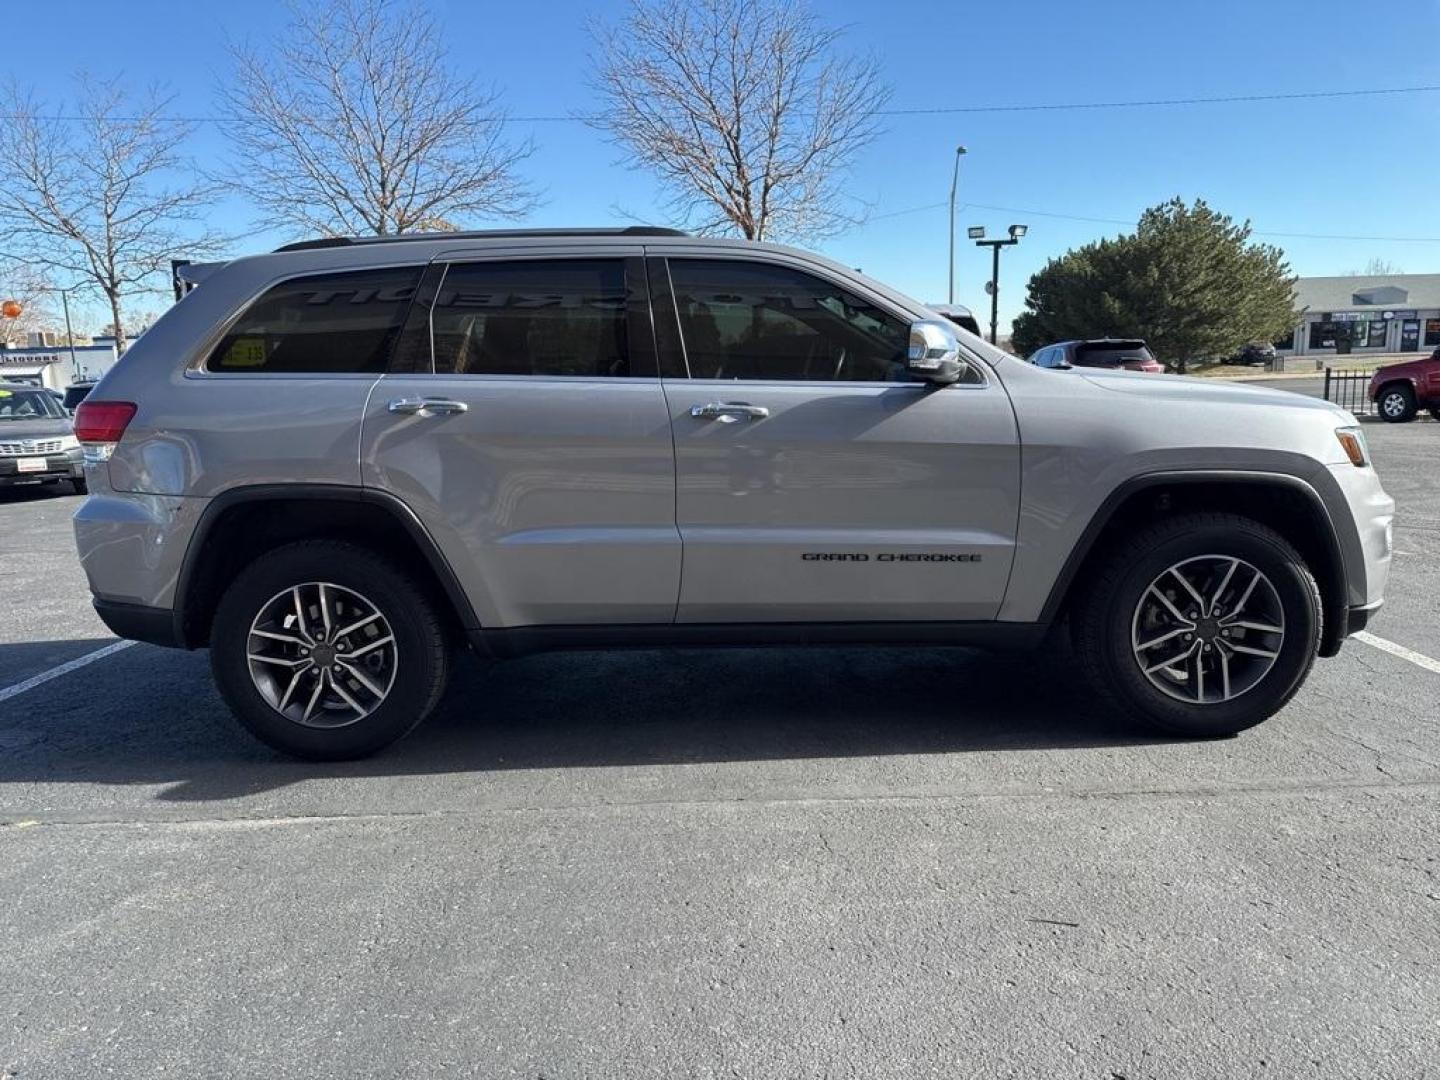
(478, 234)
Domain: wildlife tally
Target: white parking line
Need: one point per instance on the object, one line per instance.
(63, 669)
(1418, 659)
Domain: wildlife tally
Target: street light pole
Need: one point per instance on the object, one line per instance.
(69, 334)
(976, 233)
(954, 184)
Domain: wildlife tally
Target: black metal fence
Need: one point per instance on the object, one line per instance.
(1349, 389)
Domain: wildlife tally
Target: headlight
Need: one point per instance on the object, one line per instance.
(1353, 440)
(69, 442)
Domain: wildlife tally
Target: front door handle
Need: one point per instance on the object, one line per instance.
(729, 412)
(415, 406)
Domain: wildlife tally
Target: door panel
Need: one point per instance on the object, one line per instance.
(799, 499)
(552, 494)
(845, 502)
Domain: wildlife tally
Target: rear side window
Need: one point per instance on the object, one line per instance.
(322, 324)
(546, 317)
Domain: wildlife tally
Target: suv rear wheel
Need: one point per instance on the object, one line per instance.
(327, 651)
(1396, 403)
(1203, 624)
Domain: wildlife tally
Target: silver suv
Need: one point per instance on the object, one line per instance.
(37, 445)
(334, 463)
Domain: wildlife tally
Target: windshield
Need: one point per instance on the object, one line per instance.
(29, 405)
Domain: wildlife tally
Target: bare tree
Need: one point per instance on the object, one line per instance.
(103, 198)
(353, 124)
(743, 107)
(1376, 267)
(26, 283)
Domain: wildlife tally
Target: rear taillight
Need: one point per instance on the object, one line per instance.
(103, 421)
(99, 426)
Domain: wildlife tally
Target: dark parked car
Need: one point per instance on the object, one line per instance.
(1254, 353)
(1132, 354)
(960, 315)
(1399, 391)
(76, 393)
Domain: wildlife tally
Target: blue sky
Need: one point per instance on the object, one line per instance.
(1365, 166)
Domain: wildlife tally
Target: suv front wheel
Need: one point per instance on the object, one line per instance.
(327, 651)
(1202, 624)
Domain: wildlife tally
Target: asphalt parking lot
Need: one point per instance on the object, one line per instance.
(787, 863)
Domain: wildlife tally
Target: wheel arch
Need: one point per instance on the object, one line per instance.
(1407, 381)
(262, 517)
(1282, 501)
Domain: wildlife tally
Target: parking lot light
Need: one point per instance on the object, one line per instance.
(977, 233)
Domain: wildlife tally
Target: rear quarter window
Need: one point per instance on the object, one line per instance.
(322, 324)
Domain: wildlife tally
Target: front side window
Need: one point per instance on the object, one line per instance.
(323, 323)
(546, 317)
(758, 321)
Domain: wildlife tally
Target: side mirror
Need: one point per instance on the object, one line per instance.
(934, 352)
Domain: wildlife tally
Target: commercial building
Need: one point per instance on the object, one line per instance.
(1392, 313)
(56, 366)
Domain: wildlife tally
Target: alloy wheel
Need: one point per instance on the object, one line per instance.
(1208, 629)
(1393, 404)
(322, 655)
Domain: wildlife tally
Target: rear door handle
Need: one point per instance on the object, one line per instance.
(729, 412)
(415, 406)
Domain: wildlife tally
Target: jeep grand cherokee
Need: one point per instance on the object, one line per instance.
(331, 463)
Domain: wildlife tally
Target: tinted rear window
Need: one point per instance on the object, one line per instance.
(561, 317)
(1111, 355)
(324, 323)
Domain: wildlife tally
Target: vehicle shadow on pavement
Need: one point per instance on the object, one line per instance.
(148, 716)
(21, 493)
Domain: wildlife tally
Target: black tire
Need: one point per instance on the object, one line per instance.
(80, 485)
(1396, 403)
(422, 651)
(1435, 413)
(1102, 621)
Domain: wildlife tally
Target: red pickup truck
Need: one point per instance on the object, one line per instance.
(1401, 390)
